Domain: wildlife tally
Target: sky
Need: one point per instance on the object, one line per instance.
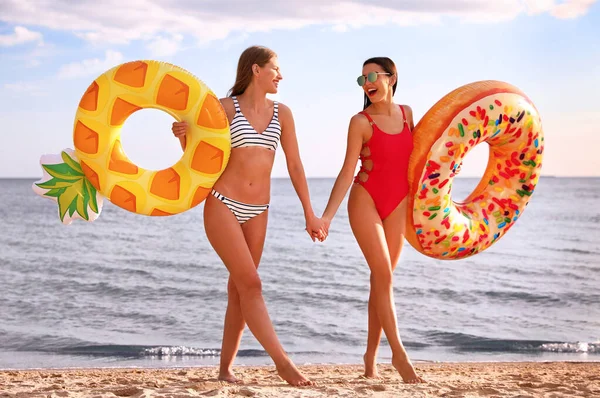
(51, 51)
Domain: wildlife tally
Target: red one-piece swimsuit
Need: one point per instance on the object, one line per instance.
(387, 180)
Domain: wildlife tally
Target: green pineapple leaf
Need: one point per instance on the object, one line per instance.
(66, 199)
(62, 172)
(66, 183)
(83, 205)
(55, 192)
(54, 183)
(69, 161)
(73, 207)
(91, 195)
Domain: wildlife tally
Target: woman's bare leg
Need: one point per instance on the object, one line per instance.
(370, 235)
(254, 231)
(393, 227)
(226, 237)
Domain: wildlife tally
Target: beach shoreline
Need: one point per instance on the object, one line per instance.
(444, 379)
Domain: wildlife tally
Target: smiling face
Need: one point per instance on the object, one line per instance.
(257, 65)
(268, 76)
(382, 87)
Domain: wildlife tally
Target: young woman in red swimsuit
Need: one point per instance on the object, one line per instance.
(381, 137)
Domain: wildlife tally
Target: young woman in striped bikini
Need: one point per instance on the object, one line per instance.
(235, 215)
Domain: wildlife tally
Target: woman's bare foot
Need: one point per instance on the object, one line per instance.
(229, 377)
(292, 375)
(370, 367)
(406, 370)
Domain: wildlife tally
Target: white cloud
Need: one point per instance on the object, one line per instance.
(161, 24)
(90, 67)
(340, 28)
(560, 9)
(33, 63)
(233, 40)
(21, 35)
(539, 6)
(572, 9)
(29, 88)
(33, 57)
(165, 46)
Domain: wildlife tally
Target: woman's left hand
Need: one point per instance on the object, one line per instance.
(315, 228)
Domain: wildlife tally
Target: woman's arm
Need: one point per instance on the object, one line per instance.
(289, 143)
(180, 128)
(359, 125)
(409, 116)
(182, 141)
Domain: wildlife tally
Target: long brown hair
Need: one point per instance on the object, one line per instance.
(252, 55)
(389, 67)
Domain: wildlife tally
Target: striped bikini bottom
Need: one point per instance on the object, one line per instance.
(242, 211)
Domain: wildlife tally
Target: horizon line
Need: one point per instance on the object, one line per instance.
(334, 177)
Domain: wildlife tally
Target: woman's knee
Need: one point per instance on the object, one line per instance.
(249, 286)
(382, 277)
(232, 292)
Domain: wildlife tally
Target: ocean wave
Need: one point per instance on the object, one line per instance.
(572, 251)
(471, 343)
(179, 351)
(520, 296)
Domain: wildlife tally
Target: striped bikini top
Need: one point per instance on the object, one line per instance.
(243, 134)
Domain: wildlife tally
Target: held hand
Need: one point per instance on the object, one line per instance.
(179, 129)
(326, 222)
(314, 228)
(323, 232)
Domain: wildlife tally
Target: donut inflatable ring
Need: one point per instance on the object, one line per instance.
(493, 112)
(100, 164)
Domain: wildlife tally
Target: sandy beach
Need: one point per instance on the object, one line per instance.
(533, 379)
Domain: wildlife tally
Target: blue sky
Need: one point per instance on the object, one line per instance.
(51, 50)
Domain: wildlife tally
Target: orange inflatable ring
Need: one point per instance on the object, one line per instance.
(488, 111)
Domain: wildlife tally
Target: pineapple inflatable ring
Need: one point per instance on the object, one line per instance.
(98, 167)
